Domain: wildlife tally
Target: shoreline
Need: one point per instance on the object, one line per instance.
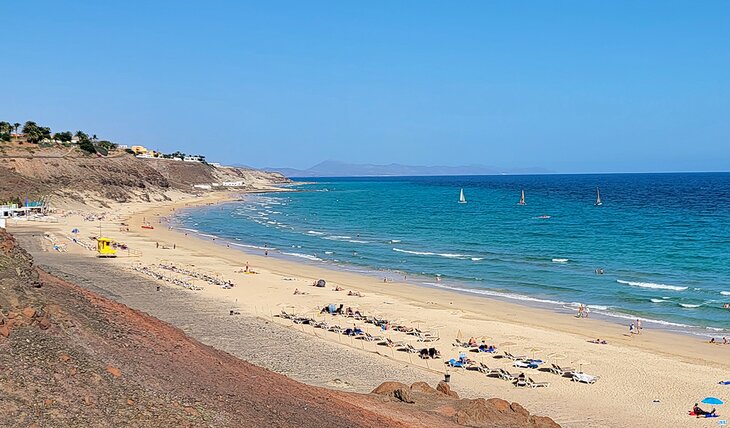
(634, 369)
(563, 308)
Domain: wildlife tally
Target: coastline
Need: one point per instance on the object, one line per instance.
(660, 363)
(562, 308)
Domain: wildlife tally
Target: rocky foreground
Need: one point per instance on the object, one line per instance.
(69, 357)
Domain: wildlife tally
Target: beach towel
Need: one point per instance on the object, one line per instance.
(724, 382)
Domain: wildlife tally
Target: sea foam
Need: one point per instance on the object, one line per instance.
(652, 285)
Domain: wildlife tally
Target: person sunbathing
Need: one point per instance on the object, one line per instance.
(699, 412)
(338, 288)
(472, 342)
(484, 348)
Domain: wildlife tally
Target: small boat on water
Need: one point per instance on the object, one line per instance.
(522, 198)
(598, 198)
(462, 199)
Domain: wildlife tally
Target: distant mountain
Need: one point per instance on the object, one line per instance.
(342, 169)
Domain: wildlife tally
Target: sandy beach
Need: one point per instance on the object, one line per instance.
(649, 379)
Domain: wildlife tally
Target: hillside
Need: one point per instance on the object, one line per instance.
(68, 173)
(70, 357)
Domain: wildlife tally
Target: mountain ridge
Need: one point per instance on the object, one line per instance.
(331, 168)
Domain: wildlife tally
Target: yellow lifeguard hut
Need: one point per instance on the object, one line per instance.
(104, 248)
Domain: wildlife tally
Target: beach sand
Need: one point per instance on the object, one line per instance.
(651, 379)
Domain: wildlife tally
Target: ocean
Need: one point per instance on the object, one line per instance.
(661, 241)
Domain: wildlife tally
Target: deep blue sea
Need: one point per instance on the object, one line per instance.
(662, 240)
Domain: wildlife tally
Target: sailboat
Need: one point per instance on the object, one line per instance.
(598, 198)
(522, 198)
(462, 199)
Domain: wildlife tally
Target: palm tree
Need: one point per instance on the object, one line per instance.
(16, 125)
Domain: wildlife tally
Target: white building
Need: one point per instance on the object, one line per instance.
(193, 159)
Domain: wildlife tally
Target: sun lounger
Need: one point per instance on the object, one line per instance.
(370, 338)
(460, 344)
(336, 329)
(484, 369)
(388, 342)
(524, 364)
(514, 357)
(455, 364)
(411, 349)
(504, 374)
(426, 338)
(585, 378)
(561, 371)
(532, 384)
(521, 381)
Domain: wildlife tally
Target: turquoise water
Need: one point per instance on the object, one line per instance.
(662, 240)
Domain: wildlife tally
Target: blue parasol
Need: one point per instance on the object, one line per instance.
(712, 400)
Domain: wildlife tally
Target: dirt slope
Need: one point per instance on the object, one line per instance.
(120, 177)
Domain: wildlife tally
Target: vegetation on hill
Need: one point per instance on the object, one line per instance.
(36, 134)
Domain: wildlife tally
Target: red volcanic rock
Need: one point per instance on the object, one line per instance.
(496, 413)
(444, 388)
(29, 312)
(44, 322)
(114, 371)
(396, 390)
(423, 388)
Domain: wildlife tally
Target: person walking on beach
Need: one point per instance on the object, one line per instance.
(631, 328)
(638, 326)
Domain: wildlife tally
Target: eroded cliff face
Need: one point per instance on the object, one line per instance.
(119, 177)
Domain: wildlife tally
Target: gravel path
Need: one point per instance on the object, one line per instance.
(259, 341)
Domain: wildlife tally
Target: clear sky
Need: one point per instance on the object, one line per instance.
(572, 86)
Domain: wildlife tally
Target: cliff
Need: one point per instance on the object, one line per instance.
(30, 171)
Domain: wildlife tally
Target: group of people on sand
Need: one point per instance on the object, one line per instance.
(481, 347)
(338, 288)
(635, 328)
(724, 341)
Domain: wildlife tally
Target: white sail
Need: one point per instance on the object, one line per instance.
(522, 198)
(598, 198)
(462, 199)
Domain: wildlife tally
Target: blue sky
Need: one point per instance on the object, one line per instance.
(572, 86)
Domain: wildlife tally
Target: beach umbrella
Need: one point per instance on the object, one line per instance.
(533, 350)
(581, 363)
(485, 338)
(74, 230)
(712, 400)
(459, 335)
(557, 356)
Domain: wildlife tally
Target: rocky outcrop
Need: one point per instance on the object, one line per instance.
(444, 402)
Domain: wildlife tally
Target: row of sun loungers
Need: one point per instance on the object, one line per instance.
(156, 275)
(575, 375)
(199, 275)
